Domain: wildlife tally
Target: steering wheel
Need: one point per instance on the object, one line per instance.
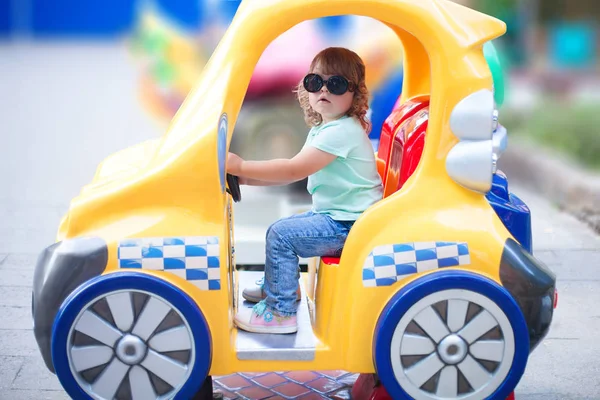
(234, 187)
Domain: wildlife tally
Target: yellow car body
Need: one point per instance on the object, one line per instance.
(174, 190)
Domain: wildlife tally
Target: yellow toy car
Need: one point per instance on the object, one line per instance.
(432, 291)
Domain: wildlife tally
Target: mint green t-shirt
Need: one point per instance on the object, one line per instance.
(350, 184)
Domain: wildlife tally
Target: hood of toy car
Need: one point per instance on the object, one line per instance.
(123, 163)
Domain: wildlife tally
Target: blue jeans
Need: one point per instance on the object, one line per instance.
(304, 235)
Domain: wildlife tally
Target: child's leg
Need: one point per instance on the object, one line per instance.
(256, 293)
(289, 238)
(305, 236)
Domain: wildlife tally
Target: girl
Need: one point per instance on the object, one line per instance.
(339, 161)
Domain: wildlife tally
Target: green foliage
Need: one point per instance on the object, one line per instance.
(574, 129)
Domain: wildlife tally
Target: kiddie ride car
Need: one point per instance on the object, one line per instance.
(435, 290)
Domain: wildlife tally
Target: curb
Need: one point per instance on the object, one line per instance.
(549, 173)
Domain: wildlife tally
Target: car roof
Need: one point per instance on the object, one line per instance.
(467, 26)
(441, 26)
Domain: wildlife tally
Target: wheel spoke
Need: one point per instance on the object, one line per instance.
(121, 308)
(173, 339)
(422, 371)
(97, 328)
(165, 368)
(431, 322)
(413, 345)
(109, 381)
(482, 323)
(151, 316)
(457, 313)
(476, 375)
(492, 350)
(448, 382)
(86, 357)
(141, 386)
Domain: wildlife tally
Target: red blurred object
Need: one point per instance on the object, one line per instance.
(555, 298)
(278, 84)
(285, 61)
(368, 387)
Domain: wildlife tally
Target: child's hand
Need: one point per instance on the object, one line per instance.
(234, 164)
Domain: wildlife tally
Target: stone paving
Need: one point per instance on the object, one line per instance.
(306, 385)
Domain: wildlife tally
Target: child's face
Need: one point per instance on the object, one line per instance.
(330, 106)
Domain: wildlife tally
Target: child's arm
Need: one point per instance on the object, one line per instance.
(257, 182)
(281, 171)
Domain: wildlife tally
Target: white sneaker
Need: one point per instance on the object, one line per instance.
(261, 319)
(257, 293)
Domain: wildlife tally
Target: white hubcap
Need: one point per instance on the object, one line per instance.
(131, 345)
(452, 344)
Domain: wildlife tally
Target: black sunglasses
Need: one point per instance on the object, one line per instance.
(336, 84)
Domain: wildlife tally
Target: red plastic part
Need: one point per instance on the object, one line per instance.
(330, 260)
(400, 114)
(368, 387)
(406, 151)
(413, 148)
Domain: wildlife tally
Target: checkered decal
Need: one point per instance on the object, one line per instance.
(195, 259)
(387, 264)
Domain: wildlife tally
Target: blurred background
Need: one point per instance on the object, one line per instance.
(84, 79)
(549, 54)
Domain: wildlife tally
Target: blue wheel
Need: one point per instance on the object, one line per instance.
(129, 335)
(450, 335)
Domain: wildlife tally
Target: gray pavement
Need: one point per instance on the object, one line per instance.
(64, 108)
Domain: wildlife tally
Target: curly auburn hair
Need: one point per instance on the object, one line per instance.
(344, 62)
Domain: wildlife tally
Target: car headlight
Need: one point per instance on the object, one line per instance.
(472, 162)
(473, 116)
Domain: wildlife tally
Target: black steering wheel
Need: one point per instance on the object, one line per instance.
(234, 187)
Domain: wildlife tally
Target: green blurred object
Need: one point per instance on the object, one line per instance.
(493, 60)
(496, 8)
(163, 72)
(570, 127)
(154, 42)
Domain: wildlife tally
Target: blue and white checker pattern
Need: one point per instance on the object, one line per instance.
(387, 264)
(195, 259)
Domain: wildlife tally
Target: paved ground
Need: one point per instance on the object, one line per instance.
(64, 108)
